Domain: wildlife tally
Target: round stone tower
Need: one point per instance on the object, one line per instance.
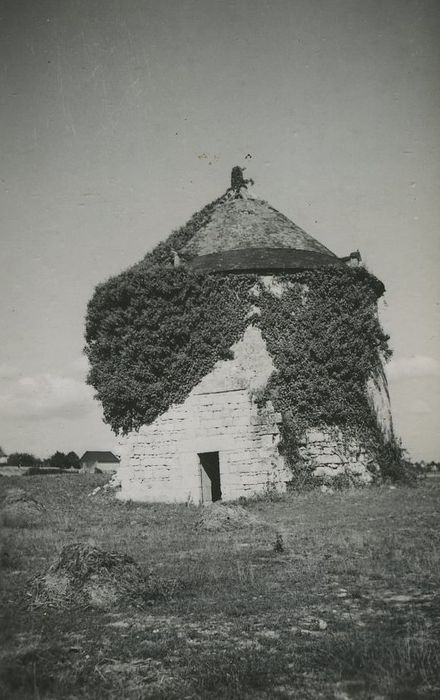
(297, 393)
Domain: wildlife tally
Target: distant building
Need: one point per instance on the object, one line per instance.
(3, 457)
(92, 462)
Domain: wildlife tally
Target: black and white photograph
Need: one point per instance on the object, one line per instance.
(220, 351)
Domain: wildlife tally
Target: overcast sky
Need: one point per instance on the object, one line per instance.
(120, 118)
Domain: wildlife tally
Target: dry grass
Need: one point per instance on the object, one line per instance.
(86, 575)
(347, 607)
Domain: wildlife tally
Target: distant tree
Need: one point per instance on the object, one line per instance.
(59, 460)
(73, 460)
(23, 459)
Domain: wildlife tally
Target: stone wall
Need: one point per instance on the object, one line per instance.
(328, 454)
(160, 462)
(379, 397)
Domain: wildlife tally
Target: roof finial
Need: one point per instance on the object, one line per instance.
(238, 183)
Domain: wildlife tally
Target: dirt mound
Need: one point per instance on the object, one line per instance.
(20, 509)
(88, 575)
(218, 516)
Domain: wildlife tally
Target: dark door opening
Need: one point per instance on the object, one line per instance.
(210, 477)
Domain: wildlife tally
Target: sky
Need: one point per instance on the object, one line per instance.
(120, 118)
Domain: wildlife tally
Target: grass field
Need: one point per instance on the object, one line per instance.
(346, 606)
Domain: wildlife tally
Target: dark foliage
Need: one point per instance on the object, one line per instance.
(23, 459)
(154, 331)
(61, 460)
(394, 464)
(38, 471)
(326, 340)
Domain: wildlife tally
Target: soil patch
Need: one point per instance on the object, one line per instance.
(218, 516)
(88, 575)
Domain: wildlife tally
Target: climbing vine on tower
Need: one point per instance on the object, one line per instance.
(326, 342)
(154, 331)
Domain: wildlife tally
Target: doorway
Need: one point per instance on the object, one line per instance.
(210, 477)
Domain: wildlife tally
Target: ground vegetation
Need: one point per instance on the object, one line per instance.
(322, 595)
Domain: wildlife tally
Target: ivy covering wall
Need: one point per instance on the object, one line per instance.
(154, 331)
(153, 334)
(326, 340)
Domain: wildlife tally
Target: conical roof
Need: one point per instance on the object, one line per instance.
(246, 234)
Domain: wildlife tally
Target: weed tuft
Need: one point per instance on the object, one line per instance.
(279, 543)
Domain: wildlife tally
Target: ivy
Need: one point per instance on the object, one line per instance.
(326, 341)
(154, 331)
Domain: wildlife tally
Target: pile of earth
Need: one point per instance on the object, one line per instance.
(218, 516)
(87, 575)
(20, 509)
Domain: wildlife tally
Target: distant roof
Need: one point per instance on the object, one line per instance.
(2, 454)
(103, 457)
(249, 234)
